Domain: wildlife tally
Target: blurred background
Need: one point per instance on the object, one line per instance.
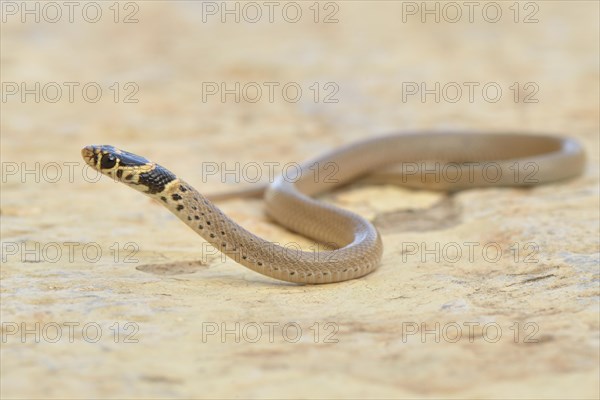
(208, 87)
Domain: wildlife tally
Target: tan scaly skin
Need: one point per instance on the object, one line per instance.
(410, 159)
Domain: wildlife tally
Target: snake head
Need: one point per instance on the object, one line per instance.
(126, 167)
(108, 159)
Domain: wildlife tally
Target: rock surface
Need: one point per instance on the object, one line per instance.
(486, 293)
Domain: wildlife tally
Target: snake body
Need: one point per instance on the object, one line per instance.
(354, 246)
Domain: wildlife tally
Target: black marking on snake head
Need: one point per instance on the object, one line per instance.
(119, 173)
(129, 177)
(110, 154)
(156, 179)
(176, 197)
(127, 159)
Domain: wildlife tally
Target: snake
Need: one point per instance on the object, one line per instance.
(351, 245)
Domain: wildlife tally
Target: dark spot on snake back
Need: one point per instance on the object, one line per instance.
(180, 207)
(176, 196)
(163, 198)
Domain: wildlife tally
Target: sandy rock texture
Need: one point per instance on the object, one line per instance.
(481, 294)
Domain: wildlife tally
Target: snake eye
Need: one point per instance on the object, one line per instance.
(108, 161)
